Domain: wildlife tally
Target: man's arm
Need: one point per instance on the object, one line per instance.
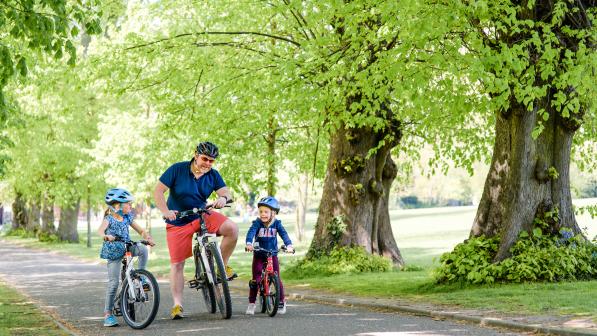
(160, 201)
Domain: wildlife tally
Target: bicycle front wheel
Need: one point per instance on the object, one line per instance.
(272, 299)
(221, 290)
(139, 310)
(207, 289)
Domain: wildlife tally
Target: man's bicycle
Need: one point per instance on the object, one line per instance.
(269, 286)
(210, 272)
(138, 295)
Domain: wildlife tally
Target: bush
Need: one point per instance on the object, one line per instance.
(339, 261)
(21, 232)
(48, 238)
(535, 257)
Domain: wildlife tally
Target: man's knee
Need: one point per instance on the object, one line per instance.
(177, 267)
(229, 229)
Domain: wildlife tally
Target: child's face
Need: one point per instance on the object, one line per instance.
(126, 207)
(265, 214)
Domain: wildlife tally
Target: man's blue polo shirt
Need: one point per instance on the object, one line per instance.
(186, 192)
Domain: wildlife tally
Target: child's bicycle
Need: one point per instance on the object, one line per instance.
(269, 286)
(209, 268)
(138, 295)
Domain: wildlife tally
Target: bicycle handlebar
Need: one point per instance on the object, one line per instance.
(132, 242)
(197, 211)
(282, 248)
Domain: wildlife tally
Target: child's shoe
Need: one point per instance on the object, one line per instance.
(250, 309)
(282, 308)
(110, 321)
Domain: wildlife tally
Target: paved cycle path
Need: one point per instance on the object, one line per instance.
(73, 292)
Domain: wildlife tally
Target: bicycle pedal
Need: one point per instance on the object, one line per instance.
(195, 284)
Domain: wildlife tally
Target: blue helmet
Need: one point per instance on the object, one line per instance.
(118, 195)
(270, 202)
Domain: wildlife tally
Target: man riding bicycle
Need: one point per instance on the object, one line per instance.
(191, 184)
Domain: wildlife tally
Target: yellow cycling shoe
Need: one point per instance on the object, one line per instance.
(230, 273)
(176, 312)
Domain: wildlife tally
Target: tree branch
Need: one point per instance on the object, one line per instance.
(214, 33)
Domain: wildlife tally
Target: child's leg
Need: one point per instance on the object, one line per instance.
(257, 268)
(277, 269)
(141, 251)
(113, 278)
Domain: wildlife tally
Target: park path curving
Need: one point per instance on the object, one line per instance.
(72, 291)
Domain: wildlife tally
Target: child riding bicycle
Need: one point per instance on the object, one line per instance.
(117, 219)
(264, 231)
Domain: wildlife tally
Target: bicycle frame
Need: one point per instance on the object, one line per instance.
(203, 240)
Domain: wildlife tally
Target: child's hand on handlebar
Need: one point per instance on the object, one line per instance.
(109, 238)
(249, 248)
(289, 249)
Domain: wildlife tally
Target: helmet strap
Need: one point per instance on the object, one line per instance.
(117, 212)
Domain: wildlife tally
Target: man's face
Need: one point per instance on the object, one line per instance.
(203, 162)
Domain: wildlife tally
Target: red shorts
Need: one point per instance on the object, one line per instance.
(180, 238)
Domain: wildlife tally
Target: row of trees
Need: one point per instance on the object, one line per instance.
(347, 91)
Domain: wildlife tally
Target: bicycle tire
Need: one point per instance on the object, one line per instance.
(145, 301)
(272, 301)
(207, 289)
(221, 290)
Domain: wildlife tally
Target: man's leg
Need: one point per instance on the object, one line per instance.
(177, 282)
(229, 232)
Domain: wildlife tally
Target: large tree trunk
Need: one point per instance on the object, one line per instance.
(33, 217)
(519, 187)
(47, 217)
(67, 226)
(530, 177)
(19, 212)
(356, 191)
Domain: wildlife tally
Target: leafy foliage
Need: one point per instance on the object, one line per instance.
(340, 260)
(41, 26)
(535, 257)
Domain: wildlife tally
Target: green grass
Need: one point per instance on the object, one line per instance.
(569, 298)
(422, 236)
(18, 317)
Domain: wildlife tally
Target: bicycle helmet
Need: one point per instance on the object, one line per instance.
(270, 202)
(118, 195)
(209, 149)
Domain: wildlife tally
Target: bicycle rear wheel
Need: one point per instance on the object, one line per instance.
(139, 311)
(272, 300)
(206, 288)
(221, 291)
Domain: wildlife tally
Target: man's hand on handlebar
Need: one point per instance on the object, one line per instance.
(219, 203)
(170, 215)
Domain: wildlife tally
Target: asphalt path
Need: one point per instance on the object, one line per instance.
(72, 291)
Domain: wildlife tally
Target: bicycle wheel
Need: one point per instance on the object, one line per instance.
(206, 288)
(139, 311)
(272, 300)
(221, 291)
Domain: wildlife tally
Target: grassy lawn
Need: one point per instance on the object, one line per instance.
(18, 317)
(422, 236)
